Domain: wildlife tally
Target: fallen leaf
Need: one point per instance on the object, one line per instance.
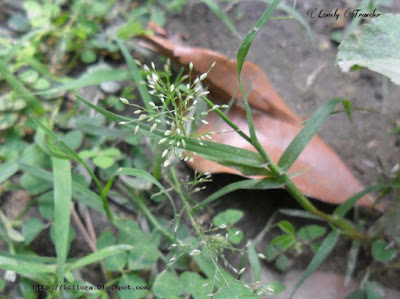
(320, 173)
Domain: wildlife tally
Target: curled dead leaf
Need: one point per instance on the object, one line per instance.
(318, 172)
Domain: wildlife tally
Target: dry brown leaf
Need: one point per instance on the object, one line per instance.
(321, 173)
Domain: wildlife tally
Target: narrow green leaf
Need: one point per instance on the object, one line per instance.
(68, 151)
(241, 57)
(23, 267)
(254, 262)
(209, 150)
(217, 10)
(80, 192)
(144, 175)
(301, 140)
(98, 256)
(346, 206)
(136, 76)
(260, 184)
(326, 247)
(8, 169)
(352, 261)
(62, 211)
(95, 77)
(244, 48)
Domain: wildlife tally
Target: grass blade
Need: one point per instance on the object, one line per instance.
(217, 10)
(241, 57)
(301, 140)
(326, 247)
(67, 150)
(20, 89)
(79, 192)
(20, 266)
(209, 150)
(261, 184)
(89, 79)
(136, 76)
(254, 262)
(62, 211)
(7, 170)
(98, 256)
(144, 175)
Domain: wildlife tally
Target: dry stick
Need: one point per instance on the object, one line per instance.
(83, 230)
(90, 227)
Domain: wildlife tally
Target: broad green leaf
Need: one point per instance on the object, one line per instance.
(195, 285)
(143, 175)
(326, 247)
(62, 211)
(98, 256)
(103, 161)
(283, 263)
(235, 236)
(20, 89)
(270, 253)
(284, 242)
(374, 290)
(287, 227)
(230, 216)
(311, 232)
(261, 184)
(7, 170)
(137, 284)
(381, 253)
(115, 262)
(375, 46)
(167, 284)
(301, 140)
(31, 229)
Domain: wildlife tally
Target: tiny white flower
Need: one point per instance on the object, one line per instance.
(172, 87)
(136, 129)
(194, 252)
(142, 117)
(122, 122)
(204, 93)
(153, 66)
(164, 153)
(162, 140)
(152, 104)
(224, 106)
(167, 163)
(213, 64)
(138, 111)
(123, 100)
(167, 133)
(146, 68)
(153, 127)
(203, 76)
(261, 256)
(191, 66)
(222, 226)
(204, 122)
(242, 270)
(183, 143)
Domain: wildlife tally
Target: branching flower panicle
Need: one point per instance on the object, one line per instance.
(175, 109)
